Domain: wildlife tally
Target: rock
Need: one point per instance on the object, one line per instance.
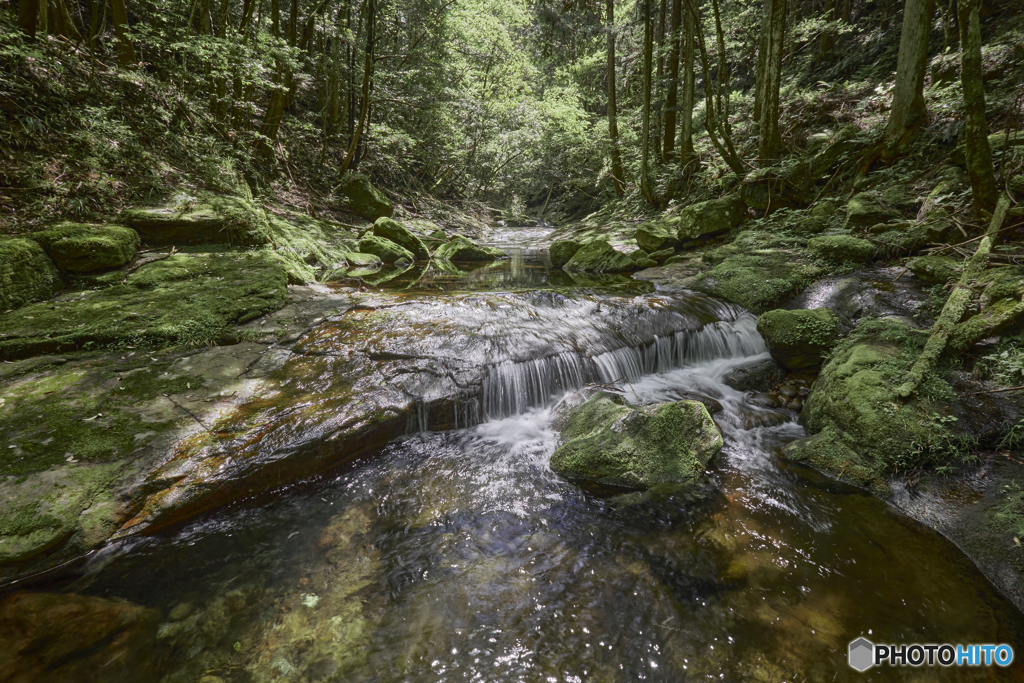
(656, 235)
(661, 255)
(841, 248)
(200, 220)
(82, 248)
(634, 447)
(365, 199)
(705, 220)
(600, 257)
(865, 210)
(187, 299)
(844, 143)
(798, 339)
(642, 263)
(361, 260)
(395, 232)
(827, 452)
(637, 255)
(561, 251)
(26, 273)
(385, 249)
(439, 235)
(908, 238)
(760, 376)
(49, 637)
(777, 187)
(935, 269)
(823, 209)
(459, 248)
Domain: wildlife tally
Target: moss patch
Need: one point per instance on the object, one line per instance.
(201, 219)
(187, 299)
(82, 248)
(26, 273)
(309, 248)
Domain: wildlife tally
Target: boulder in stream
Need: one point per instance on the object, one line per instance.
(396, 232)
(365, 199)
(460, 248)
(798, 339)
(609, 444)
(600, 257)
(385, 249)
(202, 219)
(561, 251)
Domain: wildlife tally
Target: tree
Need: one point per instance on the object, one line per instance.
(618, 176)
(645, 136)
(769, 79)
(672, 94)
(979, 154)
(686, 151)
(908, 110)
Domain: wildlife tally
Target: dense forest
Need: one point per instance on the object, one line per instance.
(510, 340)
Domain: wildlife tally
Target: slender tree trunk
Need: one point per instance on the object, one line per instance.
(645, 145)
(618, 176)
(908, 110)
(770, 140)
(979, 154)
(28, 17)
(367, 71)
(659, 83)
(686, 151)
(711, 123)
(672, 94)
(762, 63)
(125, 50)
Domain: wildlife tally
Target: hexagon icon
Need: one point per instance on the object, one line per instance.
(862, 654)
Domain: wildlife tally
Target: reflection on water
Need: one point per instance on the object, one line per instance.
(460, 556)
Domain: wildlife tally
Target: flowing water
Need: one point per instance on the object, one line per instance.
(460, 556)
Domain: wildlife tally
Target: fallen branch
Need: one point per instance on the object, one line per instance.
(955, 306)
(999, 391)
(135, 266)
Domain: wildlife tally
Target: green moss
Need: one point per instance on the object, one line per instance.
(308, 247)
(82, 248)
(26, 519)
(1008, 515)
(827, 453)
(798, 339)
(758, 279)
(201, 219)
(562, 251)
(26, 273)
(187, 299)
(841, 248)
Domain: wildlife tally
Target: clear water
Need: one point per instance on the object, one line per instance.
(460, 556)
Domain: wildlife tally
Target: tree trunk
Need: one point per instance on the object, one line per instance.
(645, 135)
(367, 70)
(711, 116)
(770, 140)
(659, 81)
(908, 111)
(686, 151)
(28, 17)
(672, 94)
(979, 154)
(618, 176)
(125, 50)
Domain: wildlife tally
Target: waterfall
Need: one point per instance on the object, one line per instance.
(511, 388)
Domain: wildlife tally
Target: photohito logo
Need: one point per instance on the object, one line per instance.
(864, 654)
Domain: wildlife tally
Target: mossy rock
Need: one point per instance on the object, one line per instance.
(609, 444)
(361, 260)
(205, 219)
(385, 249)
(562, 251)
(461, 249)
(759, 279)
(83, 248)
(644, 262)
(841, 248)
(187, 299)
(865, 209)
(853, 396)
(810, 225)
(777, 187)
(657, 235)
(365, 199)
(397, 233)
(26, 273)
(307, 247)
(705, 220)
(827, 452)
(799, 339)
(935, 269)
(600, 257)
(661, 255)
(841, 146)
(824, 209)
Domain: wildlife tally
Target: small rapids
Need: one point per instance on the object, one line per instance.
(460, 556)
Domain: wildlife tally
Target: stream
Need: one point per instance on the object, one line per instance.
(460, 556)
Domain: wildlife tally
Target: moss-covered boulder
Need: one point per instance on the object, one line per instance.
(661, 255)
(202, 219)
(600, 257)
(798, 339)
(777, 187)
(461, 249)
(809, 225)
(865, 209)
(385, 249)
(188, 299)
(400, 235)
(365, 199)
(561, 251)
(935, 269)
(841, 248)
(83, 248)
(309, 248)
(360, 260)
(841, 146)
(827, 452)
(26, 273)
(657, 235)
(609, 444)
(706, 220)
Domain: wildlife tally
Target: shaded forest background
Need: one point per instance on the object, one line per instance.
(517, 103)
